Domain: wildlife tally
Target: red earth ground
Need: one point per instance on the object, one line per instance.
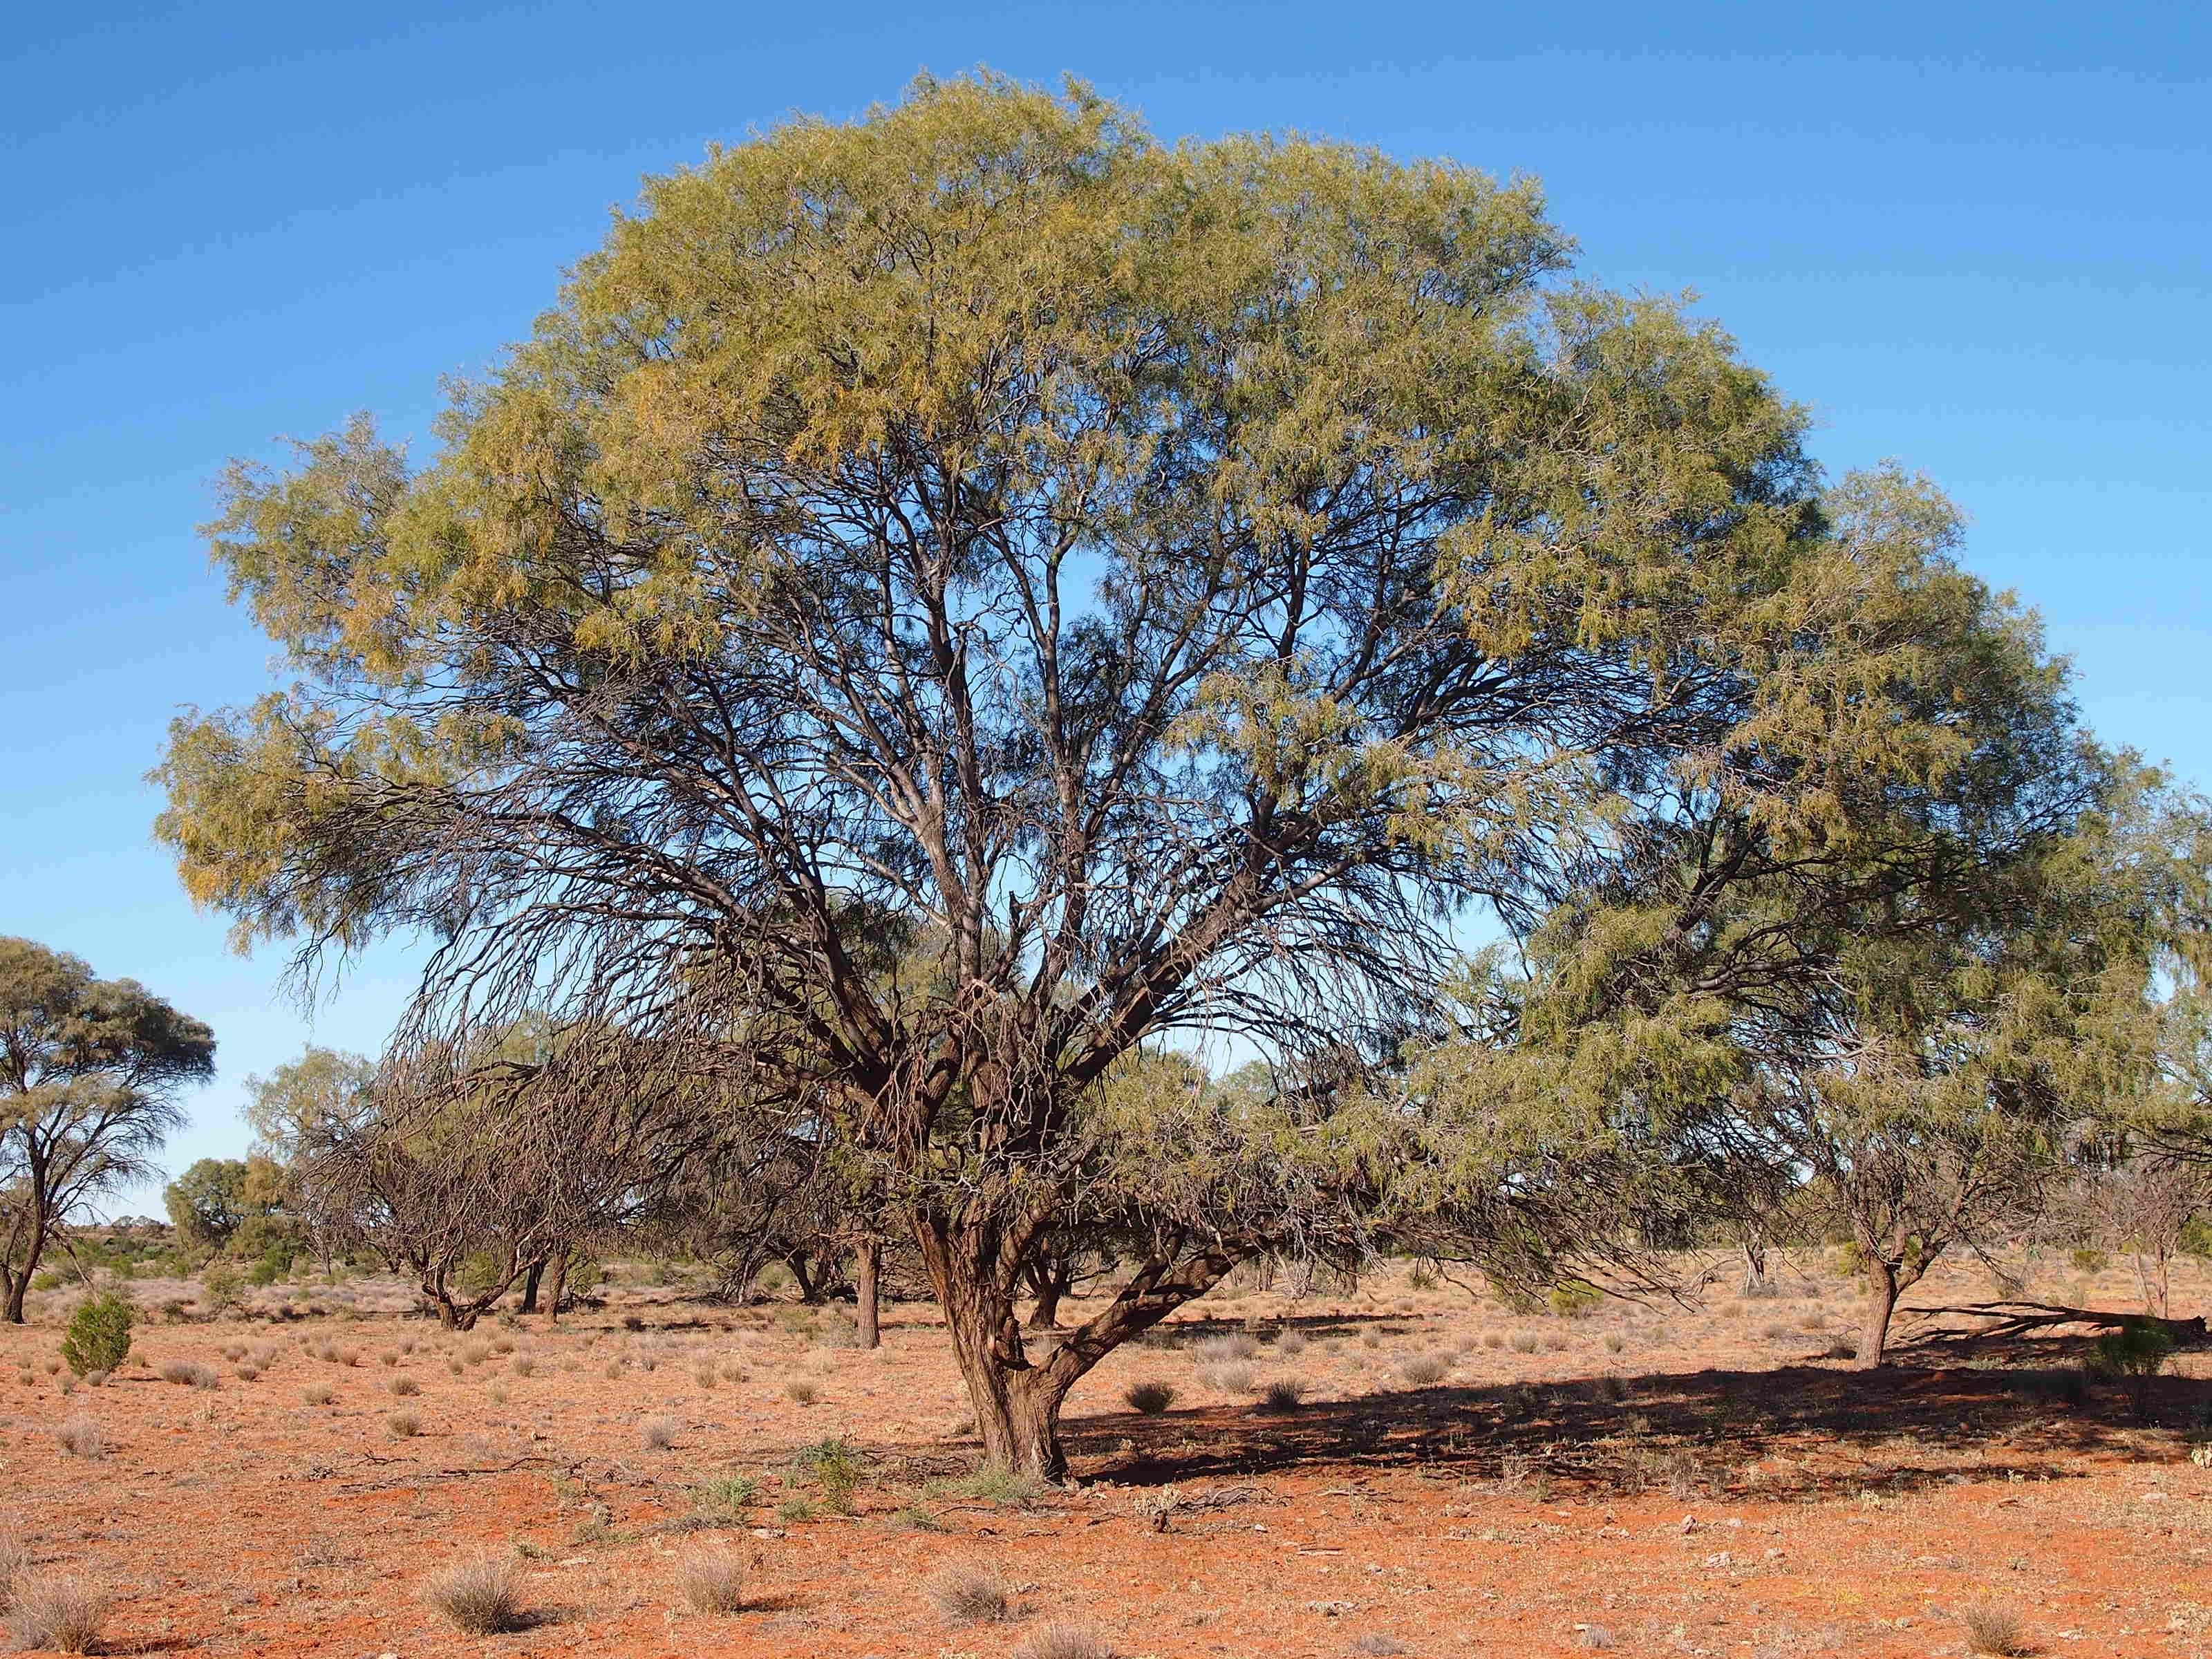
(1655, 1480)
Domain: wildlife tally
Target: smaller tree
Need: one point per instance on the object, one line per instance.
(2144, 1205)
(207, 1204)
(91, 1071)
(99, 1338)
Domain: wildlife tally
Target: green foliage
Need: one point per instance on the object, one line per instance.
(991, 1483)
(2090, 1261)
(207, 1203)
(2196, 1237)
(1576, 1299)
(2137, 1349)
(479, 1271)
(223, 1286)
(98, 1336)
(1312, 525)
(728, 1495)
(836, 1467)
(89, 1094)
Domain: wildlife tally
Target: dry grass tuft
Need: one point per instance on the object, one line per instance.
(62, 1612)
(1425, 1370)
(14, 1561)
(80, 1436)
(478, 1597)
(967, 1593)
(1992, 1629)
(1063, 1640)
(1151, 1398)
(658, 1433)
(1284, 1394)
(712, 1579)
(801, 1391)
(403, 1386)
(404, 1425)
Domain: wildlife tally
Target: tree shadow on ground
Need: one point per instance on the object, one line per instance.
(1998, 1406)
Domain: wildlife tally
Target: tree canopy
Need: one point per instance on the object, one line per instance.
(1183, 592)
(91, 1074)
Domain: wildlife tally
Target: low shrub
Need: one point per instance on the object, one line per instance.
(1284, 1394)
(404, 1425)
(477, 1596)
(658, 1433)
(1061, 1640)
(1425, 1370)
(63, 1611)
(1576, 1299)
(1151, 1398)
(712, 1579)
(98, 1336)
(80, 1436)
(967, 1593)
(1995, 1630)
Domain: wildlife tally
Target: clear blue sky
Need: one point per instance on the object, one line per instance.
(1975, 237)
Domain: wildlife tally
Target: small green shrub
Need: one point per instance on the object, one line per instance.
(222, 1285)
(1576, 1299)
(2091, 1261)
(2133, 1354)
(729, 1494)
(836, 1467)
(99, 1336)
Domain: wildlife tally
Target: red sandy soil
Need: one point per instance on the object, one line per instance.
(1657, 1480)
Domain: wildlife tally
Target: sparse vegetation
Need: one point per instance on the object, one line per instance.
(711, 1578)
(1995, 1630)
(968, 1593)
(1063, 1639)
(477, 1596)
(1284, 1394)
(1149, 1397)
(403, 1424)
(658, 1433)
(1425, 1370)
(80, 1436)
(61, 1611)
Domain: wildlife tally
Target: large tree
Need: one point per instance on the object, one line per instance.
(91, 1071)
(1187, 586)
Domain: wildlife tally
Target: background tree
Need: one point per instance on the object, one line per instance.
(1176, 585)
(1891, 942)
(90, 1074)
(208, 1203)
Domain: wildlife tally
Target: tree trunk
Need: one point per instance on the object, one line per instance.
(867, 1272)
(20, 1285)
(1754, 1265)
(559, 1287)
(1051, 1282)
(1017, 1404)
(795, 1264)
(530, 1277)
(1873, 1330)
